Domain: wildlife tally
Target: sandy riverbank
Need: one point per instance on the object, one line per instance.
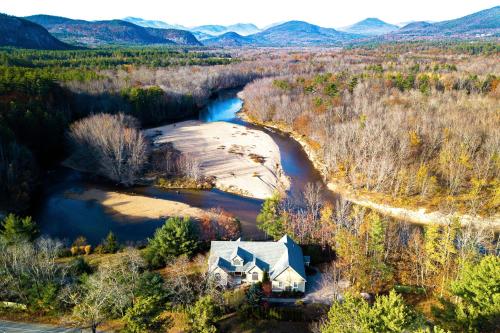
(128, 208)
(417, 216)
(136, 208)
(243, 161)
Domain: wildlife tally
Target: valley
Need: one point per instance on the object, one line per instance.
(328, 173)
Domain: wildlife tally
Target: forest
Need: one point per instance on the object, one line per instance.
(419, 130)
(409, 124)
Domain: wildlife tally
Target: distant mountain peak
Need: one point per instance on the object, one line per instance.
(229, 39)
(301, 33)
(243, 29)
(370, 26)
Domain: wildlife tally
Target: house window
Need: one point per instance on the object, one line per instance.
(280, 284)
(217, 276)
(295, 285)
(255, 276)
(237, 262)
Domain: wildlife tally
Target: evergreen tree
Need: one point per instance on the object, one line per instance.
(431, 248)
(347, 316)
(176, 237)
(254, 294)
(110, 244)
(377, 235)
(388, 314)
(380, 272)
(16, 229)
(478, 292)
(270, 219)
(203, 315)
(145, 316)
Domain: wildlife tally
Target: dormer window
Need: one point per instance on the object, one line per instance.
(237, 262)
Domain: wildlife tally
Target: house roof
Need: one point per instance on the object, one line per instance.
(273, 257)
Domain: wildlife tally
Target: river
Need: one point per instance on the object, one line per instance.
(67, 218)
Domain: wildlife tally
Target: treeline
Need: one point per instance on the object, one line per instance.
(436, 47)
(421, 131)
(100, 59)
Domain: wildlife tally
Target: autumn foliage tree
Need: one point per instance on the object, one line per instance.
(217, 224)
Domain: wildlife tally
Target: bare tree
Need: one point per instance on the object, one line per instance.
(190, 166)
(107, 293)
(32, 264)
(313, 197)
(108, 145)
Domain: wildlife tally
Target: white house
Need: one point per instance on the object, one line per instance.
(232, 263)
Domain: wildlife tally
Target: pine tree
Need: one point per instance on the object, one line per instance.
(203, 315)
(110, 244)
(347, 316)
(431, 248)
(391, 314)
(146, 316)
(478, 291)
(388, 314)
(16, 229)
(254, 294)
(270, 220)
(176, 237)
(377, 236)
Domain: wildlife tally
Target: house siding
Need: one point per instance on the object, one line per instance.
(225, 279)
(287, 279)
(248, 277)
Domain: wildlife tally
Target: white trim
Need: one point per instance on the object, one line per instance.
(292, 270)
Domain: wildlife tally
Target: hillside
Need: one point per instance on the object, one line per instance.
(19, 32)
(180, 37)
(485, 23)
(298, 33)
(97, 32)
(213, 30)
(370, 27)
(153, 23)
(229, 39)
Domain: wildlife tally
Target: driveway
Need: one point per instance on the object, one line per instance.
(14, 327)
(320, 288)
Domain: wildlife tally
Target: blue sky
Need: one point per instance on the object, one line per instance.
(326, 13)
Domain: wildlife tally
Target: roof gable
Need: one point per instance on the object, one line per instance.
(273, 257)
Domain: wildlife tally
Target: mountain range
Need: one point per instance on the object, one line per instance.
(483, 24)
(201, 32)
(53, 32)
(96, 33)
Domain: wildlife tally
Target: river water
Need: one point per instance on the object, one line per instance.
(66, 218)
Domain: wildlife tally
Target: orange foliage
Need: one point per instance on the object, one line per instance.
(301, 124)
